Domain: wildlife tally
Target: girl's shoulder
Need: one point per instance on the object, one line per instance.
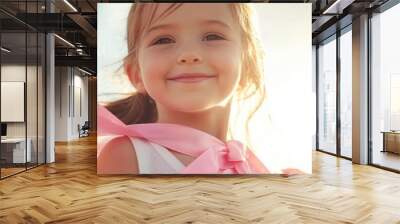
(117, 156)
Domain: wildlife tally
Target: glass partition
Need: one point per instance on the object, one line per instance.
(31, 99)
(385, 89)
(33, 64)
(41, 91)
(327, 96)
(13, 105)
(22, 89)
(346, 93)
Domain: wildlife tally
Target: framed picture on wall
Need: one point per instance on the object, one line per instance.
(200, 88)
(12, 101)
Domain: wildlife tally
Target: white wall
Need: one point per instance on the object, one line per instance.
(79, 117)
(14, 73)
(33, 127)
(12, 101)
(69, 85)
(61, 103)
(17, 73)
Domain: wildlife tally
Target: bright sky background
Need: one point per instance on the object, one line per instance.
(282, 129)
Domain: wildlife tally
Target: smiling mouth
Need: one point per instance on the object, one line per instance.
(191, 77)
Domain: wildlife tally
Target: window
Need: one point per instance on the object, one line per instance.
(385, 88)
(346, 92)
(327, 96)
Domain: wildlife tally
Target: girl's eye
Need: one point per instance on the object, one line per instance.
(163, 40)
(210, 37)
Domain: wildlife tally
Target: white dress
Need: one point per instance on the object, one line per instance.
(155, 159)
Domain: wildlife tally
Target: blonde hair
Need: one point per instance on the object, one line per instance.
(140, 108)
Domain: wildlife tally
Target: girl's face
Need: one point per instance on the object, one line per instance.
(190, 60)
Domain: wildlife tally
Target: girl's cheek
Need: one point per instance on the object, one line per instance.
(153, 54)
(223, 49)
(160, 56)
(156, 66)
(226, 57)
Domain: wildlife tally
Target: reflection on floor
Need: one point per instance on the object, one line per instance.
(11, 169)
(386, 159)
(347, 152)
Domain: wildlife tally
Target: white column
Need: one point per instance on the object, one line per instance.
(360, 90)
(50, 92)
(50, 100)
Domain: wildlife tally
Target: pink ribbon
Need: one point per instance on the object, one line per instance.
(212, 155)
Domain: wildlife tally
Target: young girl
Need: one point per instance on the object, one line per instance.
(188, 62)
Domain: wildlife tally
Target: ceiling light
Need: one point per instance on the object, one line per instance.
(5, 50)
(70, 5)
(338, 6)
(65, 41)
(84, 71)
(329, 9)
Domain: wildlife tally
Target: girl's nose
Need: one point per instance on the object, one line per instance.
(189, 58)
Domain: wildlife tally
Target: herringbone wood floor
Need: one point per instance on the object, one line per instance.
(69, 191)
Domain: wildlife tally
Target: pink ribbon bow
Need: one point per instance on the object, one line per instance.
(212, 155)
